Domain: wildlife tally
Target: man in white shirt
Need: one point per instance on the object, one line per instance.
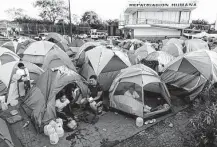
(23, 72)
(132, 93)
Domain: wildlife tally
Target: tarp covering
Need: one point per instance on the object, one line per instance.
(195, 45)
(142, 76)
(191, 71)
(7, 56)
(59, 40)
(41, 98)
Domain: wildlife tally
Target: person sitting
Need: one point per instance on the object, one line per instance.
(23, 72)
(61, 105)
(95, 95)
(132, 93)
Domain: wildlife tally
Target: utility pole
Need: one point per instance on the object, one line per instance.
(70, 19)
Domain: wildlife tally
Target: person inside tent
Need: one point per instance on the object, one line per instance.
(62, 107)
(73, 93)
(95, 95)
(23, 72)
(132, 93)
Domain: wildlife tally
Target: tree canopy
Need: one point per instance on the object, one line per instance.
(51, 10)
(15, 13)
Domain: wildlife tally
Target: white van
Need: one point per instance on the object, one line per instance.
(94, 35)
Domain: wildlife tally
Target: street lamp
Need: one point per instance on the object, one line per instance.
(70, 21)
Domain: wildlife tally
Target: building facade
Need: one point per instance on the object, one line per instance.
(156, 18)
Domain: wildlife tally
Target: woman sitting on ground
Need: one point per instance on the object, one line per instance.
(62, 107)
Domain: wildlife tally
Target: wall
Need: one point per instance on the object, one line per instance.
(172, 16)
(155, 32)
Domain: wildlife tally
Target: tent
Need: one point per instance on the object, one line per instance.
(144, 80)
(143, 51)
(105, 63)
(25, 45)
(76, 43)
(40, 101)
(131, 44)
(80, 56)
(175, 40)
(13, 46)
(191, 71)
(8, 80)
(23, 39)
(7, 136)
(162, 57)
(7, 56)
(47, 55)
(194, 45)
(59, 40)
(173, 49)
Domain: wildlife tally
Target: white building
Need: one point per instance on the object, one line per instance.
(157, 18)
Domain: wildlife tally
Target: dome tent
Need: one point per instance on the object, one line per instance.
(80, 56)
(143, 79)
(162, 57)
(173, 49)
(191, 71)
(195, 45)
(13, 46)
(58, 40)
(105, 63)
(7, 56)
(8, 84)
(143, 51)
(40, 101)
(47, 55)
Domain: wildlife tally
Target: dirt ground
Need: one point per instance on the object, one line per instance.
(172, 132)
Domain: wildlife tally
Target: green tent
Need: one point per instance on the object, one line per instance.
(40, 101)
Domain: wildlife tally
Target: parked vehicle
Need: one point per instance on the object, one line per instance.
(41, 35)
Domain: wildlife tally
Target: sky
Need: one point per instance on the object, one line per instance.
(106, 9)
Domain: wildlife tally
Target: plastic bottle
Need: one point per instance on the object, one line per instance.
(59, 131)
(54, 139)
(139, 122)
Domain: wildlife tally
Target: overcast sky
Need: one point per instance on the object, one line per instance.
(106, 9)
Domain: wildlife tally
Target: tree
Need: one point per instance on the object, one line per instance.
(114, 22)
(15, 13)
(51, 10)
(92, 19)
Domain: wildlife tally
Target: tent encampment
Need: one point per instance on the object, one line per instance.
(47, 55)
(163, 59)
(191, 71)
(40, 101)
(8, 79)
(195, 45)
(105, 63)
(7, 56)
(58, 40)
(144, 80)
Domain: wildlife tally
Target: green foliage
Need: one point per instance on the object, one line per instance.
(204, 123)
(200, 25)
(15, 13)
(51, 10)
(92, 19)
